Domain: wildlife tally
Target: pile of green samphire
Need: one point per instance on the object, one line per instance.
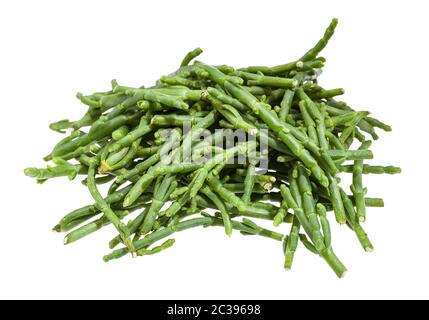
(167, 160)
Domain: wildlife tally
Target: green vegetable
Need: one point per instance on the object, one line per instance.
(167, 158)
(357, 188)
(368, 169)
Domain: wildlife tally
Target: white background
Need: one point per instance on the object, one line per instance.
(52, 49)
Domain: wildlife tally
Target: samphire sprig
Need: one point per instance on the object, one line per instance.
(171, 168)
